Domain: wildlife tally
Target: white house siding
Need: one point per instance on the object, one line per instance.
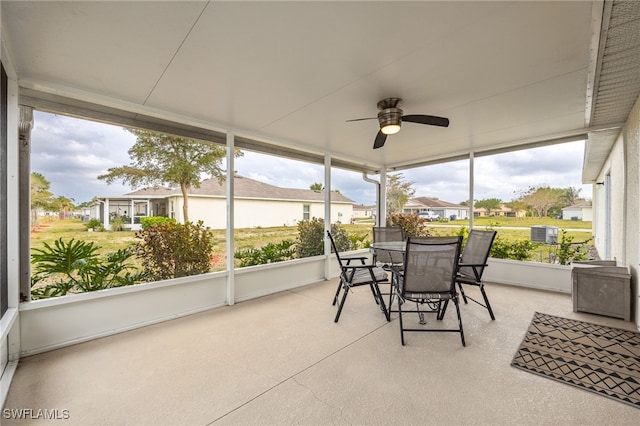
(623, 166)
(251, 213)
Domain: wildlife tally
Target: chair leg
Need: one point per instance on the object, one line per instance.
(400, 321)
(344, 298)
(442, 310)
(486, 301)
(462, 293)
(457, 303)
(383, 308)
(335, 298)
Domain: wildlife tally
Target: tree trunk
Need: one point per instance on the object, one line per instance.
(185, 205)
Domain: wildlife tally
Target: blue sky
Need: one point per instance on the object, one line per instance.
(71, 153)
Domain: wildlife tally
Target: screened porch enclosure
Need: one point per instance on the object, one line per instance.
(282, 79)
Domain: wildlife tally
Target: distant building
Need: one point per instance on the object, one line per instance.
(364, 212)
(581, 211)
(256, 204)
(503, 211)
(443, 209)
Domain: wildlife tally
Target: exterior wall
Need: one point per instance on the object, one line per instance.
(632, 212)
(250, 213)
(623, 229)
(582, 213)
(211, 211)
(569, 214)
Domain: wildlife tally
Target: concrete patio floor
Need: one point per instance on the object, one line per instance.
(282, 360)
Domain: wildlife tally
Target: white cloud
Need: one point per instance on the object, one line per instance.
(71, 153)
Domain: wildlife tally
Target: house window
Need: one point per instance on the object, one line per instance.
(306, 212)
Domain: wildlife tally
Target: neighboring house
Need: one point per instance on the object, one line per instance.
(581, 211)
(256, 204)
(364, 212)
(443, 209)
(503, 211)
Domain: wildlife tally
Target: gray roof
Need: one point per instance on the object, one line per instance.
(434, 202)
(245, 188)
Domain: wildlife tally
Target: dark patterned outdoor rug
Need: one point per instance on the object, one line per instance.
(592, 357)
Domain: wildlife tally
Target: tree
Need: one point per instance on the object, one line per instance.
(316, 187)
(488, 204)
(63, 205)
(398, 193)
(571, 196)
(541, 199)
(160, 159)
(40, 195)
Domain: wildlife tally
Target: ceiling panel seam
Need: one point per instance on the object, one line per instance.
(184, 39)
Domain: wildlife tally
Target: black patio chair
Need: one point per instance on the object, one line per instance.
(388, 258)
(473, 262)
(387, 234)
(428, 278)
(358, 275)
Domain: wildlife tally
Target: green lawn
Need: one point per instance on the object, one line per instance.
(110, 241)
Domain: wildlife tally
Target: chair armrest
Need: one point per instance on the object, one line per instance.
(360, 258)
(472, 264)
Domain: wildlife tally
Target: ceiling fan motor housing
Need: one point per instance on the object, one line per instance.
(390, 113)
(390, 116)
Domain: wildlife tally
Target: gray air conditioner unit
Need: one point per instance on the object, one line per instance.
(544, 234)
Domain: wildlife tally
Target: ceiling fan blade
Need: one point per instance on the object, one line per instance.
(381, 138)
(362, 119)
(427, 119)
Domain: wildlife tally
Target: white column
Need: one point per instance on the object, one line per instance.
(471, 196)
(381, 220)
(327, 215)
(230, 218)
(105, 219)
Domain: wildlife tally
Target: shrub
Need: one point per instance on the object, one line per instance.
(172, 250)
(311, 237)
(567, 253)
(516, 250)
(411, 224)
(270, 253)
(117, 224)
(75, 267)
(94, 224)
(146, 222)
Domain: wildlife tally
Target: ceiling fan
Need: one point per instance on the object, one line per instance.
(390, 118)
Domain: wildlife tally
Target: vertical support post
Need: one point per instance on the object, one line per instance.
(327, 216)
(230, 181)
(24, 204)
(105, 218)
(381, 220)
(471, 190)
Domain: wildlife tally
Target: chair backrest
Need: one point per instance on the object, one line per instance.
(430, 265)
(476, 252)
(388, 234)
(335, 249)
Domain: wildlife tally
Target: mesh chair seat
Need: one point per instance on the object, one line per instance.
(363, 276)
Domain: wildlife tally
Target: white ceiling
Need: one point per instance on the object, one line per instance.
(504, 73)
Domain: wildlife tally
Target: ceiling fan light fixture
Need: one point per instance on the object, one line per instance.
(390, 129)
